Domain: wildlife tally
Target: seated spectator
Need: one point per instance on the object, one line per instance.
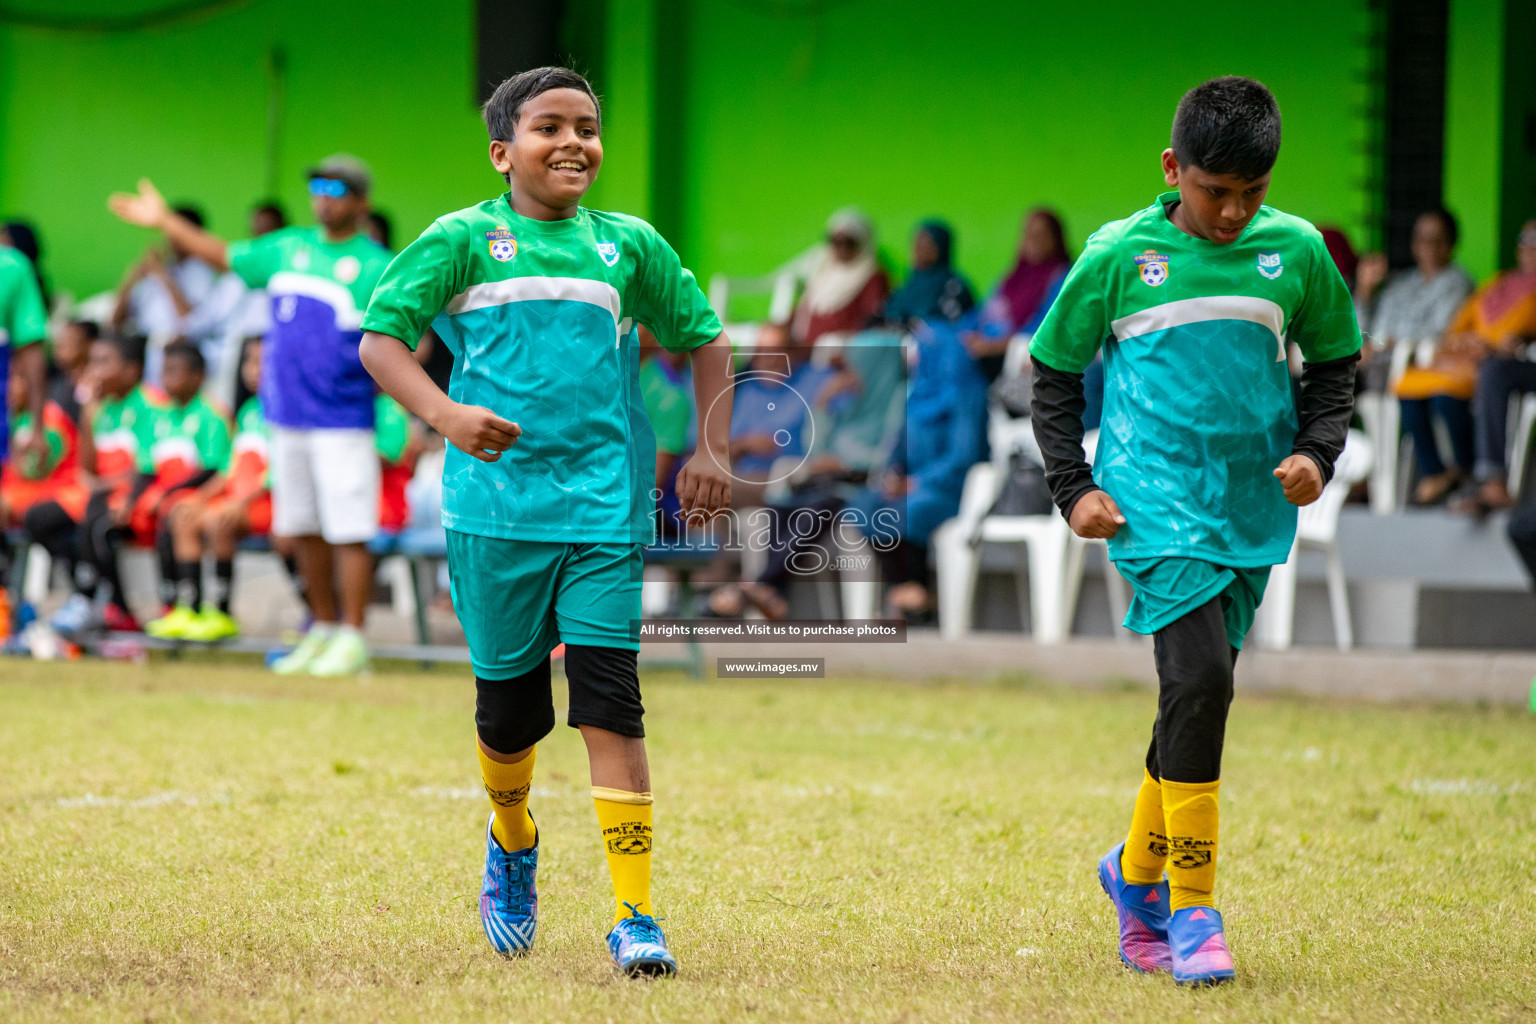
(862, 404)
(70, 351)
(945, 433)
(934, 288)
(117, 435)
(1416, 305)
(228, 507)
(171, 293)
(1502, 317)
(1021, 299)
(1341, 251)
(770, 418)
(31, 478)
(846, 289)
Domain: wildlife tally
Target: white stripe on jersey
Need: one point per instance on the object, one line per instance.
(322, 289)
(531, 289)
(1201, 310)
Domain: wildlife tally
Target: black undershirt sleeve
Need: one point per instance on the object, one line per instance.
(1324, 411)
(1057, 411)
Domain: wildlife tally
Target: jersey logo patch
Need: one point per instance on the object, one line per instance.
(1270, 265)
(609, 251)
(346, 269)
(503, 244)
(1154, 268)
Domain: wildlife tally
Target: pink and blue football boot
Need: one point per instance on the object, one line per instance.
(638, 947)
(1143, 914)
(1199, 945)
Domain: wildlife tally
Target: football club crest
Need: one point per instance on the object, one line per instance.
(503, 244)
(346, 269)
(1154, 268)
(1270, 265)
(609, 251)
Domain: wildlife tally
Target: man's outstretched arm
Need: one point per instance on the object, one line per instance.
(148, 209)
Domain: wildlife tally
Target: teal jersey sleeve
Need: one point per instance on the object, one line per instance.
(415, 287)
(1324, 326)
(668, 300)
(23, 320)
(1079, 321)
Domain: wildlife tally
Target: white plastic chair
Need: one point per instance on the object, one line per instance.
(1042, 544)
(1382, 417)
(1317, 528)
(1520, 440)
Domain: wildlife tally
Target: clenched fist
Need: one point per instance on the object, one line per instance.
(1096, 516)
(478, 431)
(1300, 478)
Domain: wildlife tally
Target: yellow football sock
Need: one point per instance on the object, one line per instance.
(625, 819)
(1146, 848)
(1189, 808)
(507, 785)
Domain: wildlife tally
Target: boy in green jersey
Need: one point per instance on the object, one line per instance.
(1203, 456)
(548, 479)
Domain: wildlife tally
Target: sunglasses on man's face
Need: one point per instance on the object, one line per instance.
(328, 187)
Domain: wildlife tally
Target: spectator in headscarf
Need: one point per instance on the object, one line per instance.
(934, 288)
(846, 289)
(1021, 299)
(22, 237)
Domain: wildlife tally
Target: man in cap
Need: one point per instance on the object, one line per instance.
(314, 392)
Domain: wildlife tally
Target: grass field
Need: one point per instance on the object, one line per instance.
(199, 841)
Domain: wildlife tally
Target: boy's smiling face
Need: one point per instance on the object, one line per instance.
(553, 155)
(1215, 207)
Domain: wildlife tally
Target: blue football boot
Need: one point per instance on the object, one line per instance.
(1199, 945)
(509, 899)
(638, 947)
(1143, 916)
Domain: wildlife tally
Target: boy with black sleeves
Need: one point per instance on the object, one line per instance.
(1202, 459)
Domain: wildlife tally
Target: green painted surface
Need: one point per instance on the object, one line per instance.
(909, 113)
(1474, 130)
(186, 105)
(736, 126)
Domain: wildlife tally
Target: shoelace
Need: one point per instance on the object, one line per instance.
(643, 927)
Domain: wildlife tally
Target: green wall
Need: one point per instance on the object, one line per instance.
(82, 114)
(1474, 114)
(985, 110)
(737, 125)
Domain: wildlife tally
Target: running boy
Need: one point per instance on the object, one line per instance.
(315, 393)
(1200, 462)
(547, 484)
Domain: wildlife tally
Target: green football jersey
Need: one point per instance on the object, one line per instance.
(189, 438)
(1198, 409)
(23, 320)
(540, 317)
(123, 432)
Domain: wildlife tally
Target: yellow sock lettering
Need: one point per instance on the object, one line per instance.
(507, 785)
(625, 821)
(1146, 847)
(1190, 812)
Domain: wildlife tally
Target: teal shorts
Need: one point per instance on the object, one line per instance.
(518, 599)
(1167, 589)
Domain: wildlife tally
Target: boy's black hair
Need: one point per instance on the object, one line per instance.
(1229, 125)
(385, 228)
(90, 328)
(273, 207)
(188, 353)
(130, 347)
(1447, 220)
(504, 107)
(190, 213)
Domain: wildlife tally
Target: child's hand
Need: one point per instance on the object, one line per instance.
(478, 431)
(1096, 516)
(703, 486)
(1301, 479)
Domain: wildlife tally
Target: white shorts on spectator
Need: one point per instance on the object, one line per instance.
(325, 482)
